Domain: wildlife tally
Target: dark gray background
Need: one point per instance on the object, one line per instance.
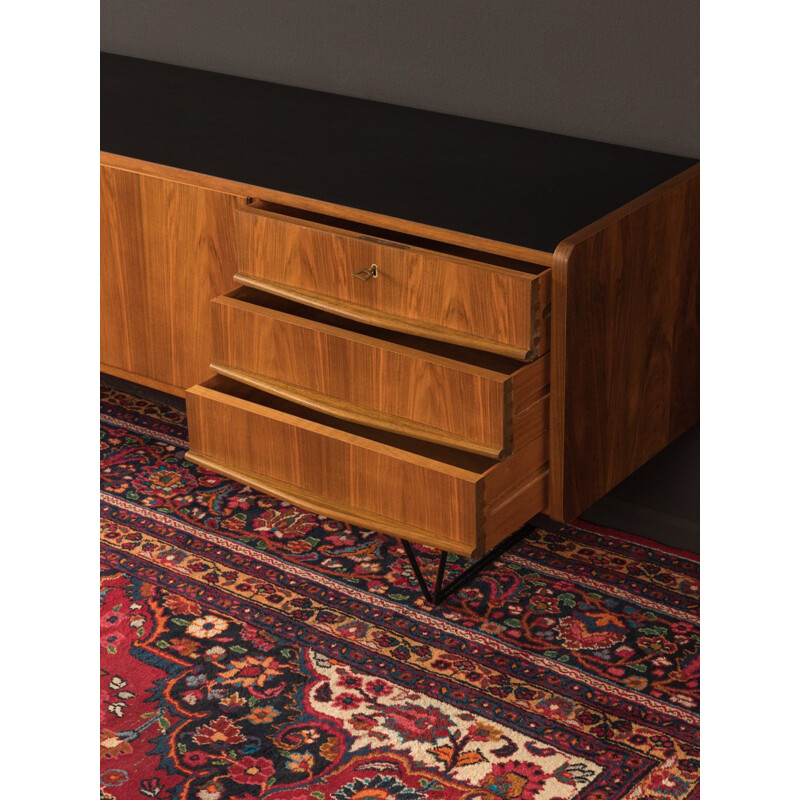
(625, 71)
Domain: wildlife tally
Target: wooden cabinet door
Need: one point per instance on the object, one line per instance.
(166, 250)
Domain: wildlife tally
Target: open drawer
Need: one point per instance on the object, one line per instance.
(396, 281)
(436, 391)
(423, 492)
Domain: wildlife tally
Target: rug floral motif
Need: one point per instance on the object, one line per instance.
(252, 649)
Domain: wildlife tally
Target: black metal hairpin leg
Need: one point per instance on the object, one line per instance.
(441, 593)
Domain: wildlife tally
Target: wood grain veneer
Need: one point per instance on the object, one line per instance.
(495, 307)
(421, 388)
(396, 484)
(166, 249)
(306, 498)
(133, 377)
(625, 342)
(526, 492)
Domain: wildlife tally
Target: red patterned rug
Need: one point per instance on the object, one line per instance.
(251, 649)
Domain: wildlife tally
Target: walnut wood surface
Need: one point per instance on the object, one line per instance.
(392, 483)
(168, 388)
(166, 250)
(625, 342)
(306, 498)
(531, 383)
(515, 490)
(352, 413)
(527, 497)
(494, 305)
(349, 470)
(368, 316)
(374, 377)
(529, 424)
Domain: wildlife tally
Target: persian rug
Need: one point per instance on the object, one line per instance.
(251, 649)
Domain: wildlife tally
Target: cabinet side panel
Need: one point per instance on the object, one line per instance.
(625, 346)
(166, 249)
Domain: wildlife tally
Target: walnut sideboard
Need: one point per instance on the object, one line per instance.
(425, 325)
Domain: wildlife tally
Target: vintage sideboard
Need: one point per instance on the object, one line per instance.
(425, 325)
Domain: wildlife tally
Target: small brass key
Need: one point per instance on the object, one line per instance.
(366, 274)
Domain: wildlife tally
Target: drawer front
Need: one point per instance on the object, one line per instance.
(334, 467)
(456, 501)
(443, 297)
(442, 393)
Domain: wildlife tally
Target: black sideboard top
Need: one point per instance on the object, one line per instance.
(501, 182)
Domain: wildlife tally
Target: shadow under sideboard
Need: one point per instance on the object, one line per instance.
(661, 500)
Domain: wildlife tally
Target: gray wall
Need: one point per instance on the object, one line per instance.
(625, 71)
